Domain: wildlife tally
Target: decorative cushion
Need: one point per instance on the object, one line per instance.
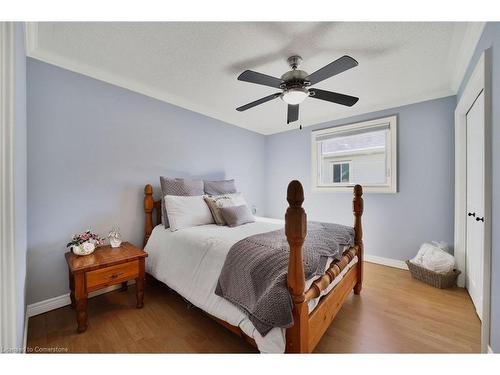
(219, 187)
(179, 187)
(215, 203)
(237, 215)
(187, 211)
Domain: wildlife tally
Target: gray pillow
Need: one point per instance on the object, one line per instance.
(216, 202)
(219, 187)
(177, 186)
(237, 215)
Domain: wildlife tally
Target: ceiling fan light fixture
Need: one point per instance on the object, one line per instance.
(295, 96)
(294, 85)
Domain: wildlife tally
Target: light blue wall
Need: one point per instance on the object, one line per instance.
(20, 176)
(491, 38)
(91, 148)
(395, 225)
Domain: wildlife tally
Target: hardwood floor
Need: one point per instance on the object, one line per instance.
(394, 314)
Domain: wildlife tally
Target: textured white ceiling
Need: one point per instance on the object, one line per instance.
(194, 64)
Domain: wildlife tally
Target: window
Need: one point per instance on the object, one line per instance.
(363, 153)
(340, 172)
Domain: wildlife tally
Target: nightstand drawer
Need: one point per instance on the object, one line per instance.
(112, 275)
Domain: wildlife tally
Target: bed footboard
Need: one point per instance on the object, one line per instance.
(307, 329)
(357, 209)
(296, 230)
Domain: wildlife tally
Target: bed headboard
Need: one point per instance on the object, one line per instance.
(150, 205)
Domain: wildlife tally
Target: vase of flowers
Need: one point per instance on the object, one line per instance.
(84, 243)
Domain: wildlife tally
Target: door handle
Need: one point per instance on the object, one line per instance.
(471, 214)
(480, 219)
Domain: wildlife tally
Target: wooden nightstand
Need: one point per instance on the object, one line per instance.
(104, 267)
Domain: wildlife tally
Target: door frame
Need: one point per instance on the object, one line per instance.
(7, 191)
(480, 80)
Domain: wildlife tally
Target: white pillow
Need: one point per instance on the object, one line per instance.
(187, 211)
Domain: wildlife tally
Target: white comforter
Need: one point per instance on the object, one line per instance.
(190, 261)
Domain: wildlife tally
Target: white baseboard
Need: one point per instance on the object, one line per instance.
(386, 261)
(47, 305)
(490, 351)
(63, 300)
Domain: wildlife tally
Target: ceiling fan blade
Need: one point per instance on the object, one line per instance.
(334, 97)
(334, 68)
(293, 113)
(260, 79)
(257, 102)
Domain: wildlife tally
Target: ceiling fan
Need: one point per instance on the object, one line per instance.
(295, 83)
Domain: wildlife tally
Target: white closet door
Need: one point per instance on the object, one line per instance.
(475, 203)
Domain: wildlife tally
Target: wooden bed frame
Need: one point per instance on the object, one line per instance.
(307, 329)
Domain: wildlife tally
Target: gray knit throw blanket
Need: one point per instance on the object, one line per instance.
(254, 275)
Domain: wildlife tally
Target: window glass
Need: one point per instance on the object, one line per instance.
(336, 172)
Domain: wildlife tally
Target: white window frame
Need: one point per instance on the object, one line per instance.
(391, 184)
(341, 162)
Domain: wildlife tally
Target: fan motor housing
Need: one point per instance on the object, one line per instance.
(294, 75)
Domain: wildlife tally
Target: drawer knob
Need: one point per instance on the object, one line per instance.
(116, 275)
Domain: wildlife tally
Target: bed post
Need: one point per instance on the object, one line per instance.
(357, 209)
(296, 229)
(148, 210)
